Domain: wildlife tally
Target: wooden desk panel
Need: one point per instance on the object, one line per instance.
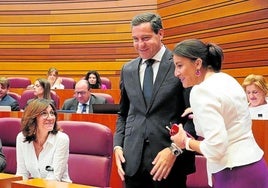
(42, 183)
(260, 132)
(6, 179)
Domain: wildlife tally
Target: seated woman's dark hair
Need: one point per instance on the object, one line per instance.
(29, 118)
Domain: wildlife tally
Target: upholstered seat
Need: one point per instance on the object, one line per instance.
(91, 150)
(9, 129)
(29, 94)
(108, 97)
(69, 83)
(106, 81)
(19, 82)
(199, 178)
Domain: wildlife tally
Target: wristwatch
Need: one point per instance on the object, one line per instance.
(175, 149)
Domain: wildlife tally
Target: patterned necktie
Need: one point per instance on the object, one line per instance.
(148, 81)
(84, 108)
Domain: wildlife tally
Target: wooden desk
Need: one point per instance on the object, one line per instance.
(38, 183)
(260, 132)
(6, 179)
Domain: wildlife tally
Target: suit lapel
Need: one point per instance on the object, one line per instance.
(163, 70)
(136, 79)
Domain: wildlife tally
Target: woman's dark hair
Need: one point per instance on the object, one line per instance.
(211, 54)
(98, 79)
(44, 83)
(29, 118)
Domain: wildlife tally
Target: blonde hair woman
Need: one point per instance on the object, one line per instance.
(256, 89)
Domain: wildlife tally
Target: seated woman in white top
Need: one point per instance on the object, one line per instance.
(54, 79)
(42, 149)
(256, 89)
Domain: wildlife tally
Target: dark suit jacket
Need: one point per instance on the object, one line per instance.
(137, 123)
(72, 103)
(9, 101)
(2, 159)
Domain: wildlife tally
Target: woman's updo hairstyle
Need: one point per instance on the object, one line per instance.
(211, 54)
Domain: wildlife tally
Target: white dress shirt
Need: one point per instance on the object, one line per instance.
(259, 112)
(55, 154)
(222, 117)
(158, 56)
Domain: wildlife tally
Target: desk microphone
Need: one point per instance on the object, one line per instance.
(260, 115)
(49, 169)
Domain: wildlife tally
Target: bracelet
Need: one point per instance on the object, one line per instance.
(187, 142)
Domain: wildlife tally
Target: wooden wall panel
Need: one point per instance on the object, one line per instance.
(74, 36)
(240, 27)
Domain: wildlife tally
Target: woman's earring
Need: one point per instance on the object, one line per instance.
(198, 72)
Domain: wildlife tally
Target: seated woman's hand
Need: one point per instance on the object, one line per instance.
(180, 138)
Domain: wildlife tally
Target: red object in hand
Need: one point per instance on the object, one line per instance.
(174, 129)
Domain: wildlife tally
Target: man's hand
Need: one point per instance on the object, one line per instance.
(163, 163)
(119, 159)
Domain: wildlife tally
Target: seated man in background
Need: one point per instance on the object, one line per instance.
(256, 89)
(83, 100)
(5, 99)
(2, 159)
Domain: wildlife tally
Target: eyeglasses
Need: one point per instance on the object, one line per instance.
(46, 114)
(80, 92)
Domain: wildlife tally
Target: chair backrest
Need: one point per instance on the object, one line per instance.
(29, 94)
(15, 96)
(199, 178)
(9, 129)
(19, 82)
(108, 97)
(69, 83)
(106, 81)
(91, 151)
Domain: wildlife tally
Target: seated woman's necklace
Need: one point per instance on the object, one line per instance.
(38, 147)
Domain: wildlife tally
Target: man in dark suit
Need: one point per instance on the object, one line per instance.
(2, 159)
(142, 145)
(5, 99)
(83, 100)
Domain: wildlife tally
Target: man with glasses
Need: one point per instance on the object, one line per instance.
(83, 99)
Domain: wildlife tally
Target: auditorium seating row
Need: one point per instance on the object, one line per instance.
(69, 83)
(90, 160)
(83, 152)
(29, 94)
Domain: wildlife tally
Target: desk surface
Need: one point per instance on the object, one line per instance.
(9, 176)
(38, 183)
(6, 179)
